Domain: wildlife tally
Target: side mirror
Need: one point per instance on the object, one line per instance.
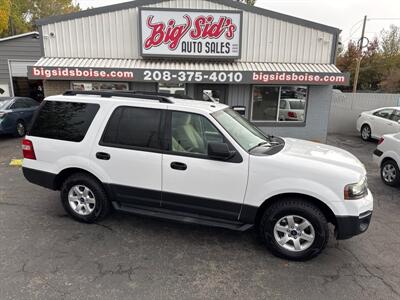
(219, 151)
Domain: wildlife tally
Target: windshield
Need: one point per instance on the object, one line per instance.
(4, 102)
(246, 134)
(297, 104)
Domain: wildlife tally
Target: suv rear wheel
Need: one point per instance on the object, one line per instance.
(390, 173)
(84, 199)
(294, 229)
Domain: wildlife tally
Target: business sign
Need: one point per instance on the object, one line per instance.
(187, 76)
(190, 33)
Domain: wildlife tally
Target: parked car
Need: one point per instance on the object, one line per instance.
(375, 123)
(387, 156)
(292, 110)
(15, 114)
(194, 162)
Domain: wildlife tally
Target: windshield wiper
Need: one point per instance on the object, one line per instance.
(259, 145)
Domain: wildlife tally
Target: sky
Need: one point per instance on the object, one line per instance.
(346, 15)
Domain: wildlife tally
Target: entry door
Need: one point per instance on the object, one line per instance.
(212, 92)
(192, 182)
(129, 152)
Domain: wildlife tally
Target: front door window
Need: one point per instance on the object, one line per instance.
(191, 133)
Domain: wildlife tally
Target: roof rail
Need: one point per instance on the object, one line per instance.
(126, 94)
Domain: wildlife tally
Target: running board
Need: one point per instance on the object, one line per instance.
(181, 217)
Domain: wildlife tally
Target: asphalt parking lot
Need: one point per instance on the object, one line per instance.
(46, 255)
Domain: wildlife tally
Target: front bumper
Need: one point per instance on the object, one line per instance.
(349, 226)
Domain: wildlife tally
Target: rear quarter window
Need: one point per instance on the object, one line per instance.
(67, 121)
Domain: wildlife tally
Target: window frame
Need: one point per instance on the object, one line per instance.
(99, 82)
(278, 123)
(166, 137)
(136, 148)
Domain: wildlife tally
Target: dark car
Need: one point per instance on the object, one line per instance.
(15, 114)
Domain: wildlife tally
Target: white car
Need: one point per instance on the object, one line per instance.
(387, 156)
(195, 162)
(292, 110)
(375, 123)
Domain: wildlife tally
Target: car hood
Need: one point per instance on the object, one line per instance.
(322, 153)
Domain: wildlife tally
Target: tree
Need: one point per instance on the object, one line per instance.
(22, 14)
(5, 8)
(391, 41)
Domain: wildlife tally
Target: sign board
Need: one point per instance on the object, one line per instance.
(187, 76)
(190, 33)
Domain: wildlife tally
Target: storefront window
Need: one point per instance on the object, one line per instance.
(100, 86)
(174, 89)
(279, 103)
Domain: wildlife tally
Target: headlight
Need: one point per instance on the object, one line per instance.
(356, 190)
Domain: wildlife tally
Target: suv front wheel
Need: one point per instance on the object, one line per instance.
(294, 229)
(84, 199)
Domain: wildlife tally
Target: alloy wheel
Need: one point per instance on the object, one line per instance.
(389, 173)
(294, 233)
(81, 199)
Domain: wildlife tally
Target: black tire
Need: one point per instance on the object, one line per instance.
(20, 129)
(366, 132)
(102, 206)
(298, 207)
(391, 164)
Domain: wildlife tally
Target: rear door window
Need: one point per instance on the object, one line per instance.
(395, 116)
(384, 113)
(134, 127)
(67, 121)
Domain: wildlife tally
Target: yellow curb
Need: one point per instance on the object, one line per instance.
(16, 162)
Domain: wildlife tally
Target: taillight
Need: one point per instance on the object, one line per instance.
(381, 140)
(27, 149)
(292, 114)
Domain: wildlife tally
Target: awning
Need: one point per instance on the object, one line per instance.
(186, 72)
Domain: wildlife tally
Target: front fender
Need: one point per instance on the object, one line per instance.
(306, 187)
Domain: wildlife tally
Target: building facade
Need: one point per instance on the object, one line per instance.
(276, 69)
(16, 54)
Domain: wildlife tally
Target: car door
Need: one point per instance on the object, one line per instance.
(382, 123)
(129, 152)
(191, 181)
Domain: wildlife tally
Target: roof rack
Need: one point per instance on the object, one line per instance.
(126, 94)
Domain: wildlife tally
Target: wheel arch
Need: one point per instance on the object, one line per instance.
(64, 174)
(326, 210)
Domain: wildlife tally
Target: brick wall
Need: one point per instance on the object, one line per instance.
(55, 87)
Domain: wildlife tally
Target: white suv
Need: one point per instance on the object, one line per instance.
(195, 162)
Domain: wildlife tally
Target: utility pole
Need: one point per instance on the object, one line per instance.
(359, 56)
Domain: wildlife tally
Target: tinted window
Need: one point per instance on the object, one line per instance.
(191, 133)
(66, 121)
(19, 103)
(30, 102)
(134, 127)
(384, 113)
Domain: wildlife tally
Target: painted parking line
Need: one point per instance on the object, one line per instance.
(16, 162)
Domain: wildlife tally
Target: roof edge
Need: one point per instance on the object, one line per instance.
(231, 3)
(19, 36)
